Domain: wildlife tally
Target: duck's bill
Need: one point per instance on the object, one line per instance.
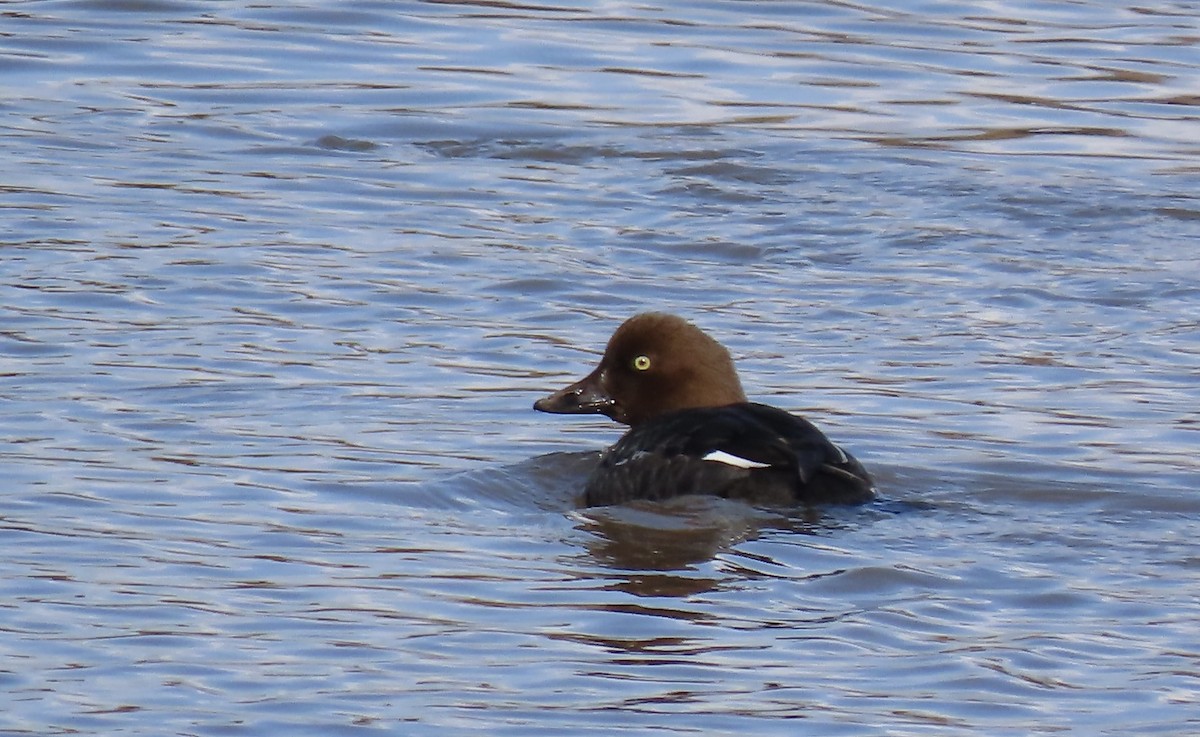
(584, 397)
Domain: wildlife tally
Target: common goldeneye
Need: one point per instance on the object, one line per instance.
(691, 430)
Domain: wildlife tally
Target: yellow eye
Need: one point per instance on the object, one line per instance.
(641, 363)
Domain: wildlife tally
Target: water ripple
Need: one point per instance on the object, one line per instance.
(281, 282)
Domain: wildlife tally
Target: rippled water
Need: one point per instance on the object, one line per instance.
(279, 284)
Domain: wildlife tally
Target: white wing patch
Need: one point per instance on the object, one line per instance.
(721, 456)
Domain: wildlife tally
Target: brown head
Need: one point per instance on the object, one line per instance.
(655, 363)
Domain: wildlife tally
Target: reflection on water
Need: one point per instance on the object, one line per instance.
(667, 536)
(279, 284)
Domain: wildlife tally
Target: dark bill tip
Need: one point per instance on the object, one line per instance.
(583, 397)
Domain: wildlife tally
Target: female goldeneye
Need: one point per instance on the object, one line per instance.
(691, 430)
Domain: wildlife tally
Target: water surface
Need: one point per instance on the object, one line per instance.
(279, 285)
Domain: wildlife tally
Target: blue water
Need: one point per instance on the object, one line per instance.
(279, 284)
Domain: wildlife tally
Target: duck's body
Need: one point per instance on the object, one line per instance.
(692, 430)
(738, 451)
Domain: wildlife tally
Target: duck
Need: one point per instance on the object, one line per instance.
(692, 429)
